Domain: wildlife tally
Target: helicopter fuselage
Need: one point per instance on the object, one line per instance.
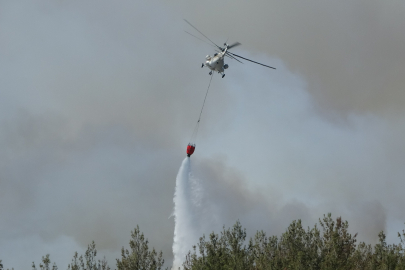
(215, 63)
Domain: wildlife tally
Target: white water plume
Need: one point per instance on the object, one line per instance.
(187, 202)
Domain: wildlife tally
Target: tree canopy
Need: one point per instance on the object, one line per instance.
(327, 246)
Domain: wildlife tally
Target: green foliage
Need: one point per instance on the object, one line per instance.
(139, 258)
(338, 245)
(45, 264)
(88, 261)
(328, 247)
(225, 252)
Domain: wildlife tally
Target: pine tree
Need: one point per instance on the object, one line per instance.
(139, 257)
(88, 261)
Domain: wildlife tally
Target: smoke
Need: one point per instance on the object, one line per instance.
(95, 94)
(209, 197)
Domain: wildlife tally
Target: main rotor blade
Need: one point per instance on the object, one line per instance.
(233, 45)
(202, 34)
(230, 56)
(200, 39)
(252, 61)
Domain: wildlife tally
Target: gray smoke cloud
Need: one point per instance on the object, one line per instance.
(99, 98)
(349, 53)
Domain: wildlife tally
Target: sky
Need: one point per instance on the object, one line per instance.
(99, 98)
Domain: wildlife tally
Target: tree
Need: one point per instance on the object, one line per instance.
(45, 265)
(140, 257)
(330, 247)
(88, 262)
(299, 248)
(266, 252)
(227, 251)
(338, 244)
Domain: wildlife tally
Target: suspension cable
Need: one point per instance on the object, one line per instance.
(199, 118)
(194, 135)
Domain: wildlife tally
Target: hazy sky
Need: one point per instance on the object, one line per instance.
(98, 100)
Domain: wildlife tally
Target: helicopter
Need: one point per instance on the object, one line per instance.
(216, 62)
